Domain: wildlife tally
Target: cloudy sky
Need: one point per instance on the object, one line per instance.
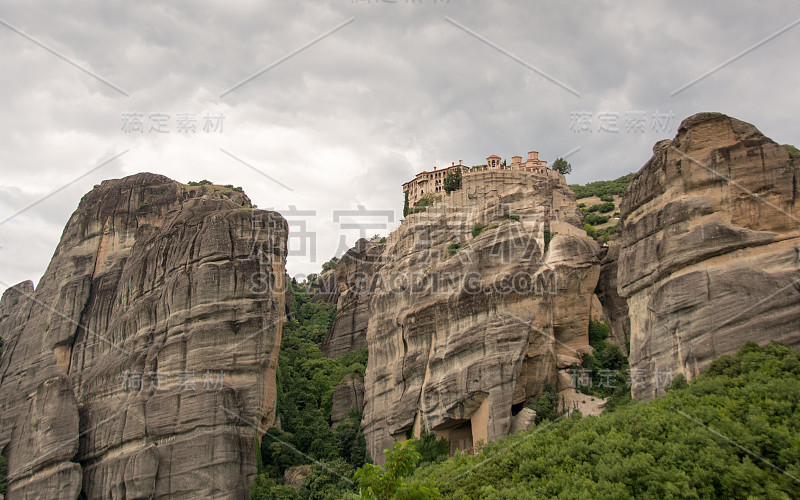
(331, 105)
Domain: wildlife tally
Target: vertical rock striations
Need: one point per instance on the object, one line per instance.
(143, 365)
(355, 276)
(710, 249)
(472, 313)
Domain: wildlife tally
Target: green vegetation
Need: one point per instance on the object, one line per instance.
(143, 205)
(606, 234)
(379, 483)
(204, 182)
(602, 207)
(424, 202)
(432, 450)
(405, 204)
(607, 368)
(477, 229)
(330, 264)
(547, 237)
(590, 230)
(607, 197)
(733, 432)
(596, 220)
(452, 181)
(514, 217)
(305, 383)
(453, 248)
(267, 488)
(791, 149)
(561, 166)
(602, 188)
(546, 405)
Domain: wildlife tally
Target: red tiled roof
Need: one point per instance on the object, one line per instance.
(494, 156)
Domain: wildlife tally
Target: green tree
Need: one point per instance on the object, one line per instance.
(376, 483)
(546, 405)
(266, 488)
(562, 166)
(328, 481)
(452, 181)
(405, 204)
(431, 449)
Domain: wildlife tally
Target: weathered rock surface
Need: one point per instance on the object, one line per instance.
(710, 249)
(615, 307)
(355, 278)
(296, 476)
(347, 396)
(143, 364)
(462, 328)
(326, 288)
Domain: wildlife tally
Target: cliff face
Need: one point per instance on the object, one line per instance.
(710, 249)
(355, 276)
(143, 365)
(471, 313)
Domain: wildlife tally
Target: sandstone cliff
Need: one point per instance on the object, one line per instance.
(471, 312)
(143, 364)
(355, 276)
(614, 307)
(710, 249)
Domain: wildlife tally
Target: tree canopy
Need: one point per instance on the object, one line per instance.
(562, 166)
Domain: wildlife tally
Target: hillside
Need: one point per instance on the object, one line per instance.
(733, 432)
(599, 202)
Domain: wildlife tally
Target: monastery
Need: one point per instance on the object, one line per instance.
(433, 181)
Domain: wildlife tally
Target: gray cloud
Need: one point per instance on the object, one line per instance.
(347, 121)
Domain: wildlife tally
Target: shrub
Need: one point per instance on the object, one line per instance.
(590, 230)
(331, 264)
(453, 248)
(607, 197)
(602, 188)
(432, 450)
(385, 483)
(605, 207)
(477, 229)
(452, 181)
(143, 205)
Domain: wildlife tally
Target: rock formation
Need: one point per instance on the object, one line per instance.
(615, 308)
(710, 249)
(325, 287)
(143, 364)
(472, 312)
(347, 396)
(355, 275)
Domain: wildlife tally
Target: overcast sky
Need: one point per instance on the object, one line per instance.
(380, 91)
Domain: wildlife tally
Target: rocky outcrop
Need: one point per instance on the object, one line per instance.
(325, 287)
(347, 396)
(355, 281)
(143, 364)
(710, 249)
(614, 307)
(472, 314)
